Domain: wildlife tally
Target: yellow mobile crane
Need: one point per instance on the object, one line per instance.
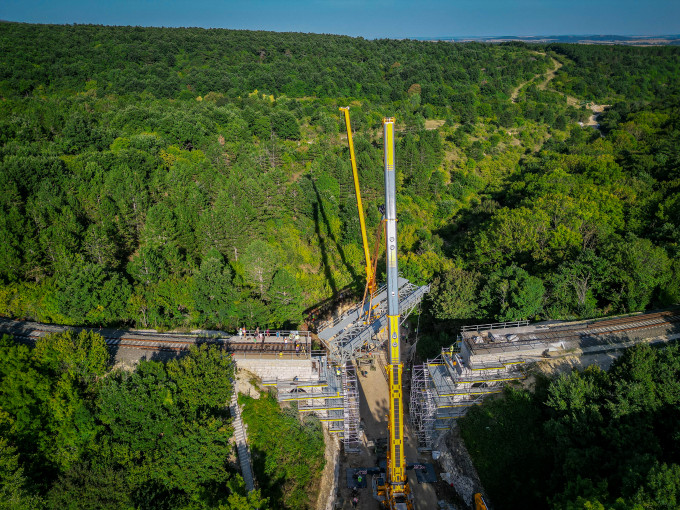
(370, 268)
(395, 491)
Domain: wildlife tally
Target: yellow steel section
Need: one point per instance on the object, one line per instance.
(393, 327)
(397, 463)
(388, 122)
(480, 504)
(370, 276)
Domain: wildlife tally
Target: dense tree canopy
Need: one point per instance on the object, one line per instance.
(75, 434)
(187, 177)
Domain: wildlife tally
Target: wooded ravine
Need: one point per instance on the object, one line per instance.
(189, 178)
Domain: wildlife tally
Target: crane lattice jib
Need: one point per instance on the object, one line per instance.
(397, 488)
(370, 273)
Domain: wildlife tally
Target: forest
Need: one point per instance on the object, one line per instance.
(78, 433)
(75, 433)
(181, 178)
(587, 440)
(189, 178)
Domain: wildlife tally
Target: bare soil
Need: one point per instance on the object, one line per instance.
(374, 410)
(434, 123)
(327, 483)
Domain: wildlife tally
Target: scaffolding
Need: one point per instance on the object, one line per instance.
(333, 397)
(351, 436)
(357, 331)
(444, 388)
(422, 408)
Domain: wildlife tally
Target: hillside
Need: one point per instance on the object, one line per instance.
(182, 178)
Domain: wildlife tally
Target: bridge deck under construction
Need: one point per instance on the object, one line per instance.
(357, 330)
(487, 357)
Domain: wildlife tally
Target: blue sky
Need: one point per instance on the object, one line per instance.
(368, 18)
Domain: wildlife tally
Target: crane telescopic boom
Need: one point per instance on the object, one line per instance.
(396, 492)
(370, 273)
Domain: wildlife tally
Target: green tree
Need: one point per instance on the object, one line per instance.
(288, 453)
(213, 292)
(89, 294)
(285, 296)
(284, 125)
(512, 294)
(455, 295)
(14, 494)
(260, 262)
(86, 485)
(640, 269)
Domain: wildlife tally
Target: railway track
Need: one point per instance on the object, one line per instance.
(29, 332)
(178, 342)
(596, 332)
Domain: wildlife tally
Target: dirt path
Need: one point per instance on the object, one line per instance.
(597, 109)
(374, 409)
(549, 75)
(434, 123)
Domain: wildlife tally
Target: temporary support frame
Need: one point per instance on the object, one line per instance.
(333, 397)
(351, 437)
(357, 330)
(444, 388)
(422, 407)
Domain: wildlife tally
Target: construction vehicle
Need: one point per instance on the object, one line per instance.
(480, 504)
(394, 492)
(391, 488)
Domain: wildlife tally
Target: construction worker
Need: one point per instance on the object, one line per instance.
(359, 480)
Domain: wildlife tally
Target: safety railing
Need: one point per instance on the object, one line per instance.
(495, 325)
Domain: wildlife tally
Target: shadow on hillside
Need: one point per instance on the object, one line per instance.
(320, 216)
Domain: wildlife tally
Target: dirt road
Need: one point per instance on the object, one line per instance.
(597, 109)
(374, 409)
(547, 77)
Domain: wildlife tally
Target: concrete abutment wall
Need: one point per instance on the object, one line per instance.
(267, 369)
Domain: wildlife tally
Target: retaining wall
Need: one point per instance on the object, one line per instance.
(304, 369)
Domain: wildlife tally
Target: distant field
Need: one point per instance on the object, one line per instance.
(641, 40)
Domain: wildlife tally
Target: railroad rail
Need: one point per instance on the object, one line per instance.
(285, 345)
(583, 334)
